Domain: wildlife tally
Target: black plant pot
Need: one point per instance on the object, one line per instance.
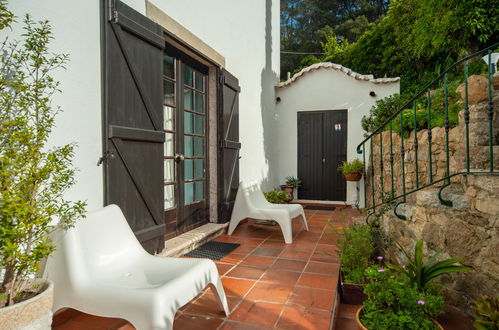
(352, 294)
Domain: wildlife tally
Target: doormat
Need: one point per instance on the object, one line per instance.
(213, 250)
(315, 207)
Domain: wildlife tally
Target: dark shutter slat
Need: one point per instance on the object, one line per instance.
(136, 134)
(229, 143)
(133, 119)
(135, 176)
(140, 31)
(136, 78)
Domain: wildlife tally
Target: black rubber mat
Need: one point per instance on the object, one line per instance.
(324, 208)
(213, 250)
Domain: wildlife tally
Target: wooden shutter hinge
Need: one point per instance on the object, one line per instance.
(112, 12)
(107, 155)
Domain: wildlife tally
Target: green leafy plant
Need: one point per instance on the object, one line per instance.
(33, 175)
(292, 181)
(486, 313)
(421, 273)
(356, 249)
(276, 196)
(394, 303)
(355, 166)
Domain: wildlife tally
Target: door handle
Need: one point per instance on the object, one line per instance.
(323, 160)
(179, 158)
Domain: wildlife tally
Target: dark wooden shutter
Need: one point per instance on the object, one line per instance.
(229, 145)
(133, 121)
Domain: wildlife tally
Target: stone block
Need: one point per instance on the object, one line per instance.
(478, 88)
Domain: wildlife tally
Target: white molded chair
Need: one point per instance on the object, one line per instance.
(250, 203)
(100, 268)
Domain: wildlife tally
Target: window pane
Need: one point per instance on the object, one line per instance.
(188, 152)
(188, 169)
(198, 81)
(199, 104)
(169, 144)
(199, 190)
(169, 196)
(188, 76)
(187, 122)
(188, 99)
(198, 146)
(198, 168)
(169, 66)
(169, 92)
(169, 118)
(169, 170)
(189, 192)
(198, 124)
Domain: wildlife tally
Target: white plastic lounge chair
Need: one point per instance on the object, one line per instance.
(100, 268)
(250, 203)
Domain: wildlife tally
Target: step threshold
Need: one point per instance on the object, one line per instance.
(186, 242)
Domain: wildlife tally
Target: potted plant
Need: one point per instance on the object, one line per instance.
(33, 175)
(276, 196)
(292, 183)
(394, 303)
(352, 170)
(486, 313)
(356, 249)
(420, 273)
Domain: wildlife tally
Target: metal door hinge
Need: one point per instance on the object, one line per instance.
(107, 155)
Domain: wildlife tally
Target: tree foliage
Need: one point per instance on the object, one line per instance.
(33, 177)
(303, 22)
(417, 39)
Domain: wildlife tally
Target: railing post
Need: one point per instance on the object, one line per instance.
(391, 158)
(402, 152)
(414, 108)
(372, 174)
(447, 124)
(381, 166)
(490, 113)
(467, 116)
(365, 172)
(429, 135)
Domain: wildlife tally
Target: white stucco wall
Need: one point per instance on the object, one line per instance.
(76, 27)
(246, 33)
(324, 89)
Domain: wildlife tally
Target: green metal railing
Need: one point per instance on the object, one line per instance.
(397, 195)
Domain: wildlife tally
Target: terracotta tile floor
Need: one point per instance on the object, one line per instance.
(269, 284)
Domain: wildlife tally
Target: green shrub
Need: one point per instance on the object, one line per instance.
(420, 273)
(292, 181)
(486, 313)
(276, 196)
(355, 166)
(382, 110)
(356, 248)
(394, 303)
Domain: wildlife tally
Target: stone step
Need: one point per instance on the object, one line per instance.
(429, 198)
(186, 242)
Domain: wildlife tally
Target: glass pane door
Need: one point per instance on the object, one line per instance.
(194, 136)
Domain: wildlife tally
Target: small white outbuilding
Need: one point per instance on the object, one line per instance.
(318, 115)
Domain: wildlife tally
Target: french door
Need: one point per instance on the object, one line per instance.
(185, 147)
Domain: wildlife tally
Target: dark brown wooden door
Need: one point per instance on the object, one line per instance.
(229, 145)
(186, 157)
(133, 120)
(322, 146)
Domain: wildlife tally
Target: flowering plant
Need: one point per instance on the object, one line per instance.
(394, 303)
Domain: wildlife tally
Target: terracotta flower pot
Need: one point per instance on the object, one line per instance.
(361, 326)
(34, 313)
(354, 176)
(289, 190)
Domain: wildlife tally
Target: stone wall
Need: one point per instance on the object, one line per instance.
(468, 229)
